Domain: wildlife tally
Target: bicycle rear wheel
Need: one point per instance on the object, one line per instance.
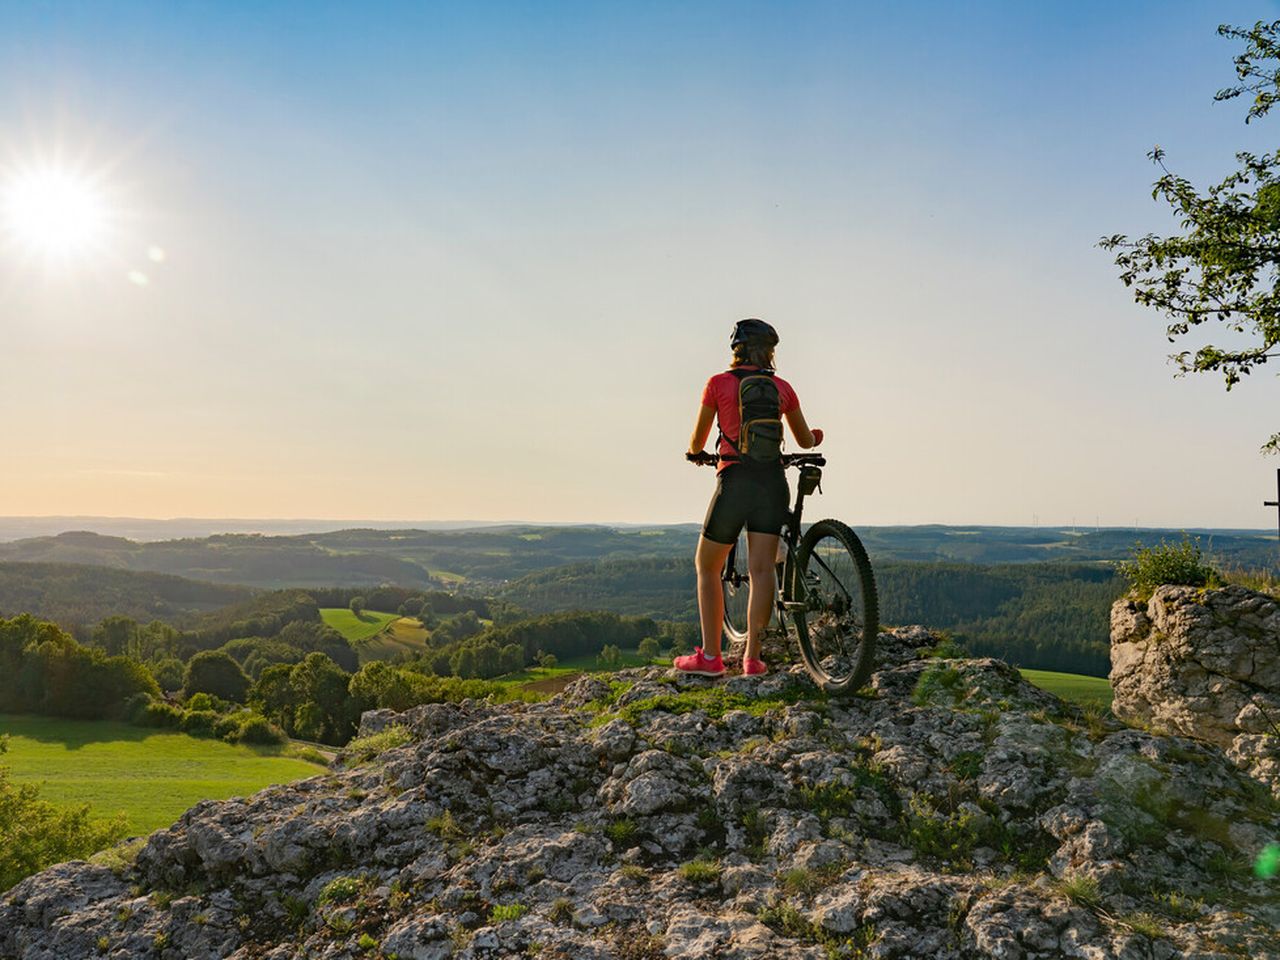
(736, 584)
(837, 619)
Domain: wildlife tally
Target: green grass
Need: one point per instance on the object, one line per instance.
(368, 624)
(401, 635)
(587, 663)
(1072, 686)
(151, 776)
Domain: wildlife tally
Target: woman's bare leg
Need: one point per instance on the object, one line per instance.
(709, 561)
(762, 555)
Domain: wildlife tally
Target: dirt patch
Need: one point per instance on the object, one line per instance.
(552, 684)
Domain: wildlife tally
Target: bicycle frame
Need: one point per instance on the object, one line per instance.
(785, 595)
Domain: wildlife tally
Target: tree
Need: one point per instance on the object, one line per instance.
(610, 656)
(169, 673)
(649, 648)
(117, 635)
(1222, 268)
(213, 671)
(357, 605)
(512, 658)
(547, 661)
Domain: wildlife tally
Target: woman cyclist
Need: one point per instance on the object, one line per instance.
(748, 493)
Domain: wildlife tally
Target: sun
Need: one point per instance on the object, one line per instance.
(53, 213)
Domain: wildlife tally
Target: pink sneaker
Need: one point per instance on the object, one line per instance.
(696, 662)
(752, 667)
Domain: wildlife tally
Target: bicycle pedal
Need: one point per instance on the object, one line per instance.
(794, 605)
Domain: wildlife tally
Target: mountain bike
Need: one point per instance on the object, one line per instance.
(825, 588)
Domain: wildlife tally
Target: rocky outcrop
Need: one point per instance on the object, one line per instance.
(952, 811)
(1205, 664)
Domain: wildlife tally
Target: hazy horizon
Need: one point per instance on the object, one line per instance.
(149, 529)
(479, 260)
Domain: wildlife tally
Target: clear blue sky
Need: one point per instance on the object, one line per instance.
(401, 238)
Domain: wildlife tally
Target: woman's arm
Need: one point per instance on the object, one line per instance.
(800, 429)
(702, 429)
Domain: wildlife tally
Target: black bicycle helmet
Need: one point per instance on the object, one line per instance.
(752, 330)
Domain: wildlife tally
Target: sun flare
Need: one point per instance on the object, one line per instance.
(54, 214)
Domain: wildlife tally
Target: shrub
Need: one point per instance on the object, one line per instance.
(700, 872)
(160, 714)
(260, 730)
(340, 890)
(198, 723)
(228, 727)
(1167, 563)
(507, 911)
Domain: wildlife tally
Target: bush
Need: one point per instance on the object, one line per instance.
(160, 714)
(1168, 563)
(198, 723)
(228, 727)
(259, 730)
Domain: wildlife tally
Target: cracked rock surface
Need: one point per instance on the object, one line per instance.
(1205, 664)
(952, 810)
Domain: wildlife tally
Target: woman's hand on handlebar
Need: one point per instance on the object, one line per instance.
(817, 435)
(702, 458)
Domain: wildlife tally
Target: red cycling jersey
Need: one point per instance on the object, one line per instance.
(721, 392)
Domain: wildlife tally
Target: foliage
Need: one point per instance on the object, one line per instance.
(507, 911)
(700, 872)
(356, 605)
(938, 684)
(340, 890)
(1167, 563)
(215, 673)
(35, 834)
(43, 670)
(1222, 267)
(169, 673)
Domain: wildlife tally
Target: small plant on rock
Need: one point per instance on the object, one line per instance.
(701, 873)
(340, 890)
(1081, 889)
(507, 911)
(561, 911)
(1168, 563)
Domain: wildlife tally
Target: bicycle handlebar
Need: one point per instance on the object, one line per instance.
(705, 459)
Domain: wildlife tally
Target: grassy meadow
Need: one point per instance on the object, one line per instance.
(1079, 689)
(401, 635)
(150, 775)
(368, 624)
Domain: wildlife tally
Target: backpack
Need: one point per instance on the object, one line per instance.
(760, 417)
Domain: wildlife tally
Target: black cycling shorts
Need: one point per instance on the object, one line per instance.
(747, 495)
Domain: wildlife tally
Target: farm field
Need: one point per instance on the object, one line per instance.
(1072, 686)
(149, 775)
(355, 629)
(401, 635)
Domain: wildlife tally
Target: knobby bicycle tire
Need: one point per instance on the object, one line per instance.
(837, 616)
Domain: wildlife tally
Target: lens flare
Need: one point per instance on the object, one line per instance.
(55, 214)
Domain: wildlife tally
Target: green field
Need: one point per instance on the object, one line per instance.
(368, 624)
(151, 776)
(402, 635)
(1072, 686)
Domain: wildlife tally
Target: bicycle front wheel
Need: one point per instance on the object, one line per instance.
(838, 612)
